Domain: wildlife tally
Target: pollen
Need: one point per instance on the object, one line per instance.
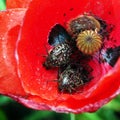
(89, 42)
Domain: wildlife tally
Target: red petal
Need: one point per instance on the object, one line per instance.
(38, 82)
(31, 48)
(106, 89)
(9, 28)
(17, 3)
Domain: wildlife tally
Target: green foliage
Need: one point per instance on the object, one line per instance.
(4, 100)
(46, 115)
(2, 115)
(2, 4)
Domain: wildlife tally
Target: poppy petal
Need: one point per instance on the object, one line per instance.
(33, 42)
(10, 21)
(40, 84)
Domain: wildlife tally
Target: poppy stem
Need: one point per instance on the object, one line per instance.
(72, 116)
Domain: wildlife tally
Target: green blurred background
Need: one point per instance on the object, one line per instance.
(11, 110)
(2, 4)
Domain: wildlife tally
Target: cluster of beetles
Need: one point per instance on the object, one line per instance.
(74, 48)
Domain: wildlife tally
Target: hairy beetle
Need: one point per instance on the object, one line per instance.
(58, 56)
(72, 77)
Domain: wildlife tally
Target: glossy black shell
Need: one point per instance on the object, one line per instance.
(58, 35)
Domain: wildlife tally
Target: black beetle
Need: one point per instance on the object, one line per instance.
(72, 77)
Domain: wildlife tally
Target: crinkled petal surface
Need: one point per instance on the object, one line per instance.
(38, 83)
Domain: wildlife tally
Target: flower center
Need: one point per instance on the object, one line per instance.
(89, 42)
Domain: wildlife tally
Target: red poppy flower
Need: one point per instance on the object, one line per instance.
(24, 37)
